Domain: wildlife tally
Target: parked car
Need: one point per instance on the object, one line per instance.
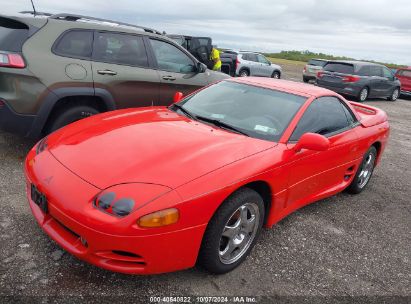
(245, 63)
(361, 80)
(199, 47)
(404, 76)
(312, 68)
(57, 69)
(157, 189)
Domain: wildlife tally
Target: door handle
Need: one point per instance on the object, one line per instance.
(169, 77)
(107, 72)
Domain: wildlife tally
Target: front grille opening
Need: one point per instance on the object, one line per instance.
(126, 254)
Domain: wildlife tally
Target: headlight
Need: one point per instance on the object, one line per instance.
(121, 200)
(116, 206)
(160, 218)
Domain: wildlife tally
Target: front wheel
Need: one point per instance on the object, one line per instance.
(364, 172)
(232, 232)
(276, 75)
(394, 95)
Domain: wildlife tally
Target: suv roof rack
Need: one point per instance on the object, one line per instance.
(36, 13)
(72, 17)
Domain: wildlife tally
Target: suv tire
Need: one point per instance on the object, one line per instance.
(363, 95)
(394, 95)
(244, 73)
(69, 115)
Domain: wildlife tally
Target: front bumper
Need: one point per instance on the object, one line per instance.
(131, 252)
(13, 122)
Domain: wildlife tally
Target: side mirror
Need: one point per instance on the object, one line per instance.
(312, 141)
(177, 97)
(201, 67)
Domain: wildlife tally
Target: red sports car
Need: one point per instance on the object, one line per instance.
(159, 189)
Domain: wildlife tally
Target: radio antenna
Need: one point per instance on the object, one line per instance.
(34, 8)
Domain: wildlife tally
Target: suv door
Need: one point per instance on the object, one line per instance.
(177, 70)
(265, 66)
(313, 172)
(376, 81)
(121, 67)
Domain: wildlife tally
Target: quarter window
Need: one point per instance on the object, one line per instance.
(171, 59)
(325, 116)
(120, 49)
(75, 44)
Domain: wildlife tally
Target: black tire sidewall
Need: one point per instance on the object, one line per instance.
(354, 188)
(275, 73)
(71, 115)
(209, 253)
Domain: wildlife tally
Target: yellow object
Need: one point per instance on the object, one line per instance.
(215, 55)
(160, 218)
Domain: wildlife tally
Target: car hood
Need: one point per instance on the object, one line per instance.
(149, 145)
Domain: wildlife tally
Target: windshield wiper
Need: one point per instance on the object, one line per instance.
(182, 109)
(221, 124)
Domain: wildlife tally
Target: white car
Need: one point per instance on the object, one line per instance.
(255, 64)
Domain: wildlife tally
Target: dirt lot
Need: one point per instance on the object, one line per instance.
(343, 246)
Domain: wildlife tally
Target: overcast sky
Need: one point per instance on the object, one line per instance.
(362, 29)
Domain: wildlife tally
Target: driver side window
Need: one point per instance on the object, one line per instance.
(171, 59)
(326, 116)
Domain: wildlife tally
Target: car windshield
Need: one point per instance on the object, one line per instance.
(246, 109)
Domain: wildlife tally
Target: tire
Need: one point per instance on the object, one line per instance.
(363, 95)
(69, 115)
(366, 168)
(394, 95)
(276, 75)
(305, 79)
(244, 73)
(216, 253)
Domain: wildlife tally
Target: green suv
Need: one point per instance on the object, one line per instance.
(56, 69)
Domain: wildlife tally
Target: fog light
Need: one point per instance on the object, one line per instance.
(160, 218)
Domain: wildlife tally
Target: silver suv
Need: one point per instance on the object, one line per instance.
(255, 64)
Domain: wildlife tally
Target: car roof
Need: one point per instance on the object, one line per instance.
(355, 62)
(74, 20)
(297, 88)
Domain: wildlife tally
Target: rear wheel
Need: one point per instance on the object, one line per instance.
(232, 232)
(363, 95)
(69, 115)
(364, 172)
(305, 79)
(394, 95)
(276, 75)
(244, 73)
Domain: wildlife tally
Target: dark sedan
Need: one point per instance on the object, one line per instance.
(361, 80)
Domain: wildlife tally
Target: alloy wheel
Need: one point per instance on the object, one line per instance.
(239, 233)
(366, 170)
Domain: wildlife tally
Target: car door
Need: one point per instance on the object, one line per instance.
(265, 66)
(178, 71)
(121, 67)
(388, 82)
(311, 172)
(376, 83)
(253, 64)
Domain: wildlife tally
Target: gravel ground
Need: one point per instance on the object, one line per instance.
(342, 246)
